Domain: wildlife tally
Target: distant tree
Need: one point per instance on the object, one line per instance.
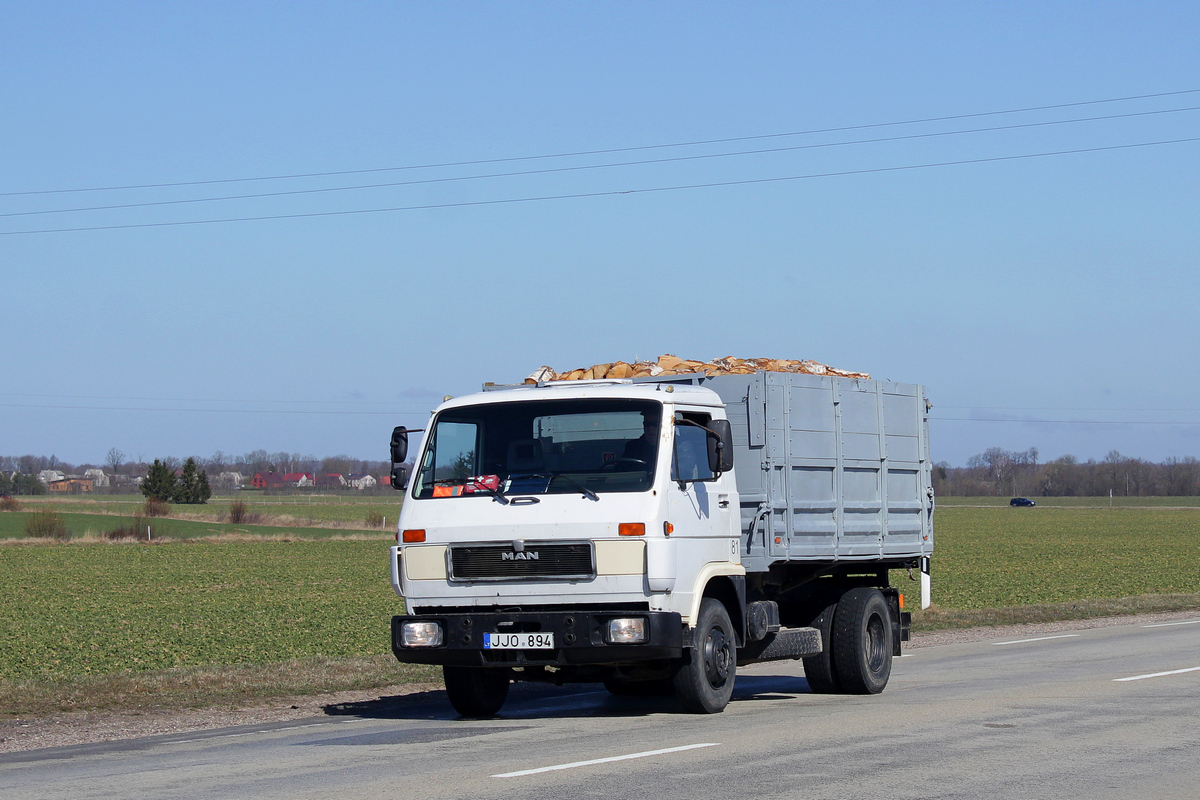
(205, 491)
(28, 484)
(160, 483)
(337, 465)
(193, 484)
(114, 459)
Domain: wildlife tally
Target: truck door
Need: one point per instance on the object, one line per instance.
(699, 504)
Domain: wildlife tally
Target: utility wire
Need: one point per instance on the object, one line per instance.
(423, 414)
(211, 400)
(1068, 408)
(583, 195)
(294, 192)
(218, 410)
(605, 151)
(1061, 421)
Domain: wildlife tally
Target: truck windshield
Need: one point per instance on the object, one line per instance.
(541, 447)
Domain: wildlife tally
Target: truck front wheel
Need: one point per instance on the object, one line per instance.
(862, 642)
(704, 682)
(476, 692)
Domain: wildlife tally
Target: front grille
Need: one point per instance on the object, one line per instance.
(492, 562)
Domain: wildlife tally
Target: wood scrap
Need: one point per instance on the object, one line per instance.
(668, 364)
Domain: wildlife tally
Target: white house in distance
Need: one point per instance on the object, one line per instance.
(299, 479)
(230, 480)
(361, 481)
(98, 478)
(47, 476)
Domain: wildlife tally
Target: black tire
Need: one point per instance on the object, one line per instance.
(818, 670)
(704, 681)
(476, 692)
(862, 642)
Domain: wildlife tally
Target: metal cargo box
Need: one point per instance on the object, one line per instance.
(828, 468)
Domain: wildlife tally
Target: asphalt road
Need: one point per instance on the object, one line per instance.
(1100, 713)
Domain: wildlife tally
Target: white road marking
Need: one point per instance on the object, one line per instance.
(1157, 674)
(1039, 639)
(1168, 624)
(574, 764)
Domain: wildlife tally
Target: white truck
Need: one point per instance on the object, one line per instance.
(655, 533)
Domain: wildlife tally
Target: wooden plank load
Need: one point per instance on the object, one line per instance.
(673, 365)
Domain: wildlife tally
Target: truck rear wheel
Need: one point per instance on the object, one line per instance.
(704, 682)
(818, 669)
(862, 642)
(476, 692)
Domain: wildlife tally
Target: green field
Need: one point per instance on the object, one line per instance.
(70, 612)
(1001, 557)
(1076, 502)
(92, 609)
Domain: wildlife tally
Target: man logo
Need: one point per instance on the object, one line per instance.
(527, 555)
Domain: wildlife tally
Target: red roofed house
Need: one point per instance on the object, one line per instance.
(299, 479)
(267, 480)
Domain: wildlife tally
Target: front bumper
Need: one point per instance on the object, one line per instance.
(578, 636)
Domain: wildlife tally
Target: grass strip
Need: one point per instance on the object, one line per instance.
(180, 688)
(936, 619)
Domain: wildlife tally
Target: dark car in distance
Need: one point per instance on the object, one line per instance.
(1021, 501)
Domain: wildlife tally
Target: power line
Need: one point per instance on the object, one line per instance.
(216, 400)
(586, 167)
(584, 195)
(1068, 408)
(1061, 421)
(607, 151)
(217, 410)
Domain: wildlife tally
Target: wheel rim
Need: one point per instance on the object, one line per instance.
(875, 644)
(718, 657)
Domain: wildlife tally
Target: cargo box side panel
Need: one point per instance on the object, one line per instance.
(863, 458)
(907, 470)
(829, 468)
(810, 464)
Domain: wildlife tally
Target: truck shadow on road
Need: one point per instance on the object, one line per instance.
(536, 701)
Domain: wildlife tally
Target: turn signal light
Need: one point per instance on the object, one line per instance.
(901, 602)
(414, 536)
(632, 529)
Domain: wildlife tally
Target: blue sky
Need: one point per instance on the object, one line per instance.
(1045, 301)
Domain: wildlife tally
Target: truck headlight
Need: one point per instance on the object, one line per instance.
(421, 634)
(628, 630)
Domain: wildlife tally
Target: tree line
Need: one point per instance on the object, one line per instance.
(118, 463)
(998, 473)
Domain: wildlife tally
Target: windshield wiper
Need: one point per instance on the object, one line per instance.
(495, 493)
(588, 493)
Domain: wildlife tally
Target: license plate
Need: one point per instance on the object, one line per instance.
(518, 641)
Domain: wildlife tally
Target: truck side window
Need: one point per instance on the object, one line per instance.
(451, 458)
(690, 459)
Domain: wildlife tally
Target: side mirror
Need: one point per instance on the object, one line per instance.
(399, 477)
(399, 444)
(720, 446)
(399, 453)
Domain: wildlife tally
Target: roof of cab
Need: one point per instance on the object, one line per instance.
(592, 390)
